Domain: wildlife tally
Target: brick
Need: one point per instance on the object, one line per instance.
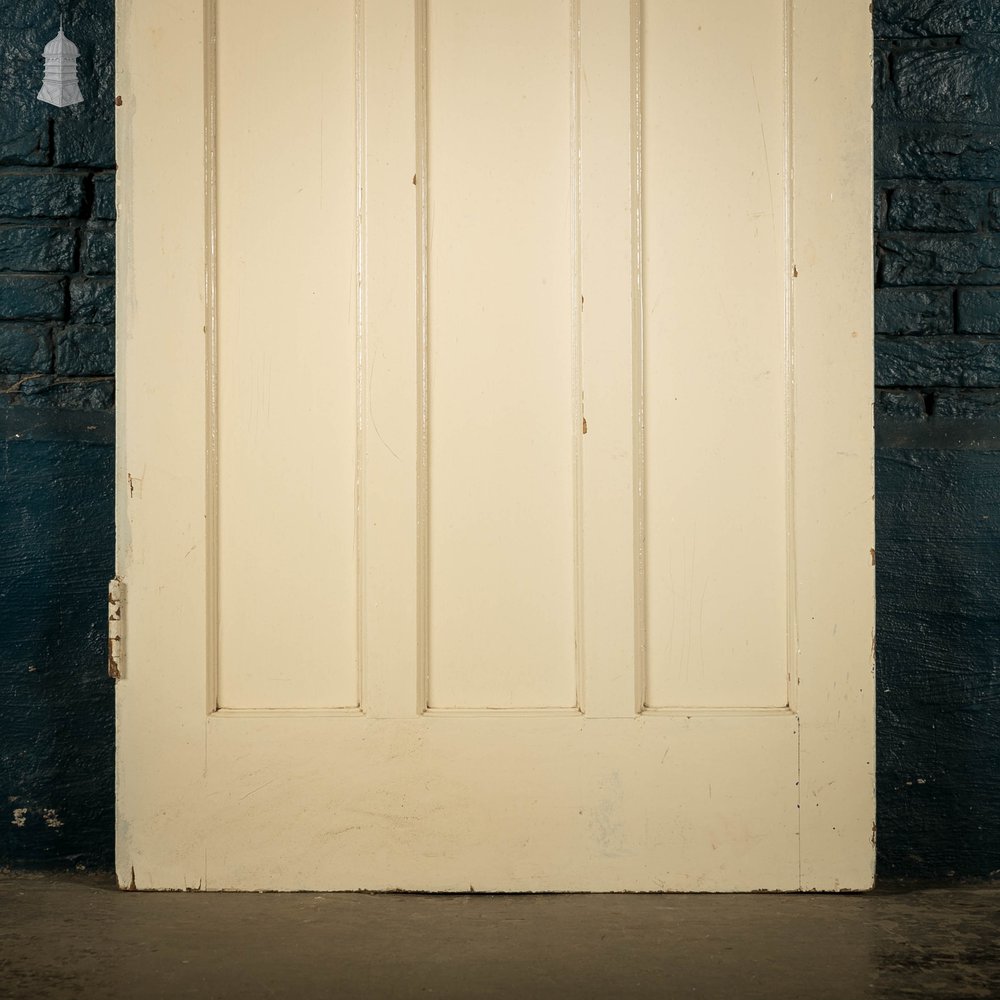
(24, 349)
(994, 210)
(30, 149)
(982, 404)
(13, 387)
(104, 198)
(47, 391)
(92, 300)
(86, 143)
(86, 350)
(979, 311)
(31, 298)
(952, 152)
(42, 196)
(906, 403)
(37, 248)
(940, 260)
(921, 18)
(937, 361)
(935, 211)
(905, 310)
(949, 84)
(76, 394)
(99, 251)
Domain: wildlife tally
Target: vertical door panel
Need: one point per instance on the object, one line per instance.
(714, 316)
(287, 355)
(500, 271)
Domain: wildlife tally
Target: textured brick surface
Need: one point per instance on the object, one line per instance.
(25, 348)
(948, 82)
(979, 310)
(905, 18)
(56, 490)
(92, 300)
(941, 361)
(85, 350)
(939, 210)
(31, 298)
(42, 195)
(959, 152)
(104, 197)
(37, 248)
(937, 357)
(99, 252)
(57, 206)
(913, 310)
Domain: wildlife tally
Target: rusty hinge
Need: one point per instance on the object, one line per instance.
(116, 628)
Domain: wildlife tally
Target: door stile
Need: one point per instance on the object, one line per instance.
(638, 352)
(609, 263)
(163, 700)
(421, 180)
(833, 475)
(393, 317)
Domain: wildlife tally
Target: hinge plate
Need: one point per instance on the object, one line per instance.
(116, 628)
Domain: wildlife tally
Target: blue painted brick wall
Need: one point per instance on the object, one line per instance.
(56, 446)
(937, 320)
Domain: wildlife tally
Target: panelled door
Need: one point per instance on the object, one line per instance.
(495, 445)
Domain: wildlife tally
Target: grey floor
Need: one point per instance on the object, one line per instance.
(77, 936)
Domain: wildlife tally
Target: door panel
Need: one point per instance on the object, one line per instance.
(505, 521)
(715, 225)
(503, 339)
(287, 358)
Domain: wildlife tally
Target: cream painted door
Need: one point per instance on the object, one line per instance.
(495, 445)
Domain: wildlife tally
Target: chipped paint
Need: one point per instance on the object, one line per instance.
(51, 819)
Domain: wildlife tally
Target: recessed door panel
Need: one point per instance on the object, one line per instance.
(287, 356)
(716, 446)
(501, 263)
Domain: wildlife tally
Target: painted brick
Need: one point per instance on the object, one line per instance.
(64, 393)
(25, 349)
(898, 18)
(31, 298)
(979, 310)
(99, 251)
(57, 709)
(92, 300)
(937, 361)
(980, 405)
(906, 310)
(104, 198)
(84, 134)
(87, 350)
(37, 248)
(940, 260)
(935, 211)
(899, 403)
(953, 152)
(57, 497)
(31, 149)
(994, 209)
(938, 540)
(949, 84)
(42, 196)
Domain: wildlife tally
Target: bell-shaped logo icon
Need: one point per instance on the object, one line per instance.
(60, 85)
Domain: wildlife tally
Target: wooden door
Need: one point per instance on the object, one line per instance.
(495, 502)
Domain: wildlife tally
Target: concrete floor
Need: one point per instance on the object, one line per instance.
(63, 936)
